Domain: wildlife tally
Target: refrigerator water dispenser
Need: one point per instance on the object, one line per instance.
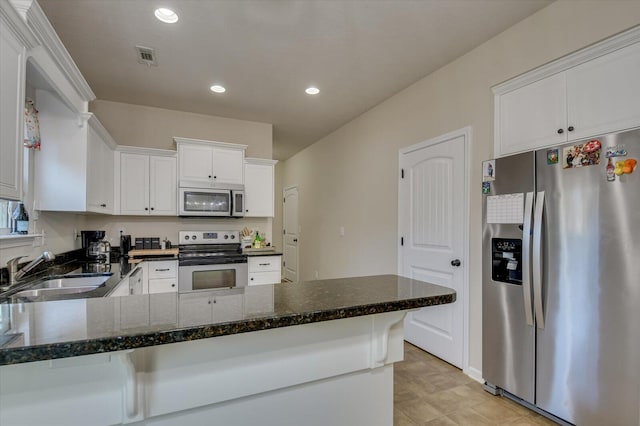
(506, 260)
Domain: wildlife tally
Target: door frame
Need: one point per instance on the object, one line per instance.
(284, 190)
(466, 133)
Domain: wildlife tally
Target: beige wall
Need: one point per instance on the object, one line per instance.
(350, 177)
(155, 127)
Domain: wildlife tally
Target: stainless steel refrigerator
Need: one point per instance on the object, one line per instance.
(561, 279)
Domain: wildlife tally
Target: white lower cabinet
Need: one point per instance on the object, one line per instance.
(166, 285)
(264, 270)
(205, 307)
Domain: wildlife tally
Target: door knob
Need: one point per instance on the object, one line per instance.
(455, 262)
(295, 240)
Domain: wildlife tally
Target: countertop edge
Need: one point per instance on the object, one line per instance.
(45, 352)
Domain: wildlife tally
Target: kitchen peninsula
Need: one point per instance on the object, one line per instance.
(318, 352)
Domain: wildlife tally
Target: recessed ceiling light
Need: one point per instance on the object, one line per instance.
(166, 15)
(312, 91)
(218, 89)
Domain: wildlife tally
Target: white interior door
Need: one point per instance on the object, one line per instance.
(432, 227)
(290, 226)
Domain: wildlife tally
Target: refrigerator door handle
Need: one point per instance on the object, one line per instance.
(526, 258)
(537, 259)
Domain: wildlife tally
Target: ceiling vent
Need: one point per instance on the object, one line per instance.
(147, 56)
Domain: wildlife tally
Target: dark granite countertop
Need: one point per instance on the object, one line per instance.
(66, 328)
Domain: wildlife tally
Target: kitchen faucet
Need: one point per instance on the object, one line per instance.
(15, 275)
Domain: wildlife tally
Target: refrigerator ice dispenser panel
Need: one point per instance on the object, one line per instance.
(506, 260)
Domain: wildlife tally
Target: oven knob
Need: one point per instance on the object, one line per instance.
(193, 237)
(226, 237)
(186, 237)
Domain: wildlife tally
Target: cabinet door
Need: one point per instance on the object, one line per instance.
(196, 166)
(166, 285)
(194, 309)
(134, 184)
(11, 112)
(228, 307)
(603, 95)
(163, 186)
(99, 174)
(228, 166)
(258, 190)
(530, 117)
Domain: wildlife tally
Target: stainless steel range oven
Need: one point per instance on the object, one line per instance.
(210, 260)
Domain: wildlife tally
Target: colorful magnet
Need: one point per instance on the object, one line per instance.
(488, 170)
(629, 166)
(618, 169)
(616, 151)
(552, 156)
(486, 187)
(581, 155)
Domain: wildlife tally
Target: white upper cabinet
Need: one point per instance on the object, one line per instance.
(259, 187)
(74, 168)
(532, 116)
(148, 183)
(205, 164)
(586, 94)
(12, 77)
(603, 95)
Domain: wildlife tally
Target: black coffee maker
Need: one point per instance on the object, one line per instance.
(90, 241)
(125, 244)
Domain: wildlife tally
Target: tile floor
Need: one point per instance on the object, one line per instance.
(428, 391)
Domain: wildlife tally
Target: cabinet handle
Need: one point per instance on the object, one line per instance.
(173, 285)
(103, 205)
(162, 270)
(152, 208)
(560, 131)
(146, 208)
(209, 176)
(247, 210)
(215, 177)
(570, 128)
(209, 302)
(251, 279)
(265, 264)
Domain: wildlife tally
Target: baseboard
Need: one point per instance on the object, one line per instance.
(475, 374)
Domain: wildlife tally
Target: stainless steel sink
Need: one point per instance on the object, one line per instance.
(59, 285)
(32, 294)
(65, 282)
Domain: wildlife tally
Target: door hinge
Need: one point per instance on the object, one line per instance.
(284, 232)
(401, 241)
(284, 200)
(284, 263)
(401, 173)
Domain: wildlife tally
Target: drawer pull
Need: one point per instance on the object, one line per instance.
(162, 270)
(265, 264)
(173, 285)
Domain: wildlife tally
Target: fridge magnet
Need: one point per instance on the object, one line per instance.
(629, 166)
(486, 187)
(618, 169)
(552, 156)
(581, 155)
(616, 151)
(488, 170)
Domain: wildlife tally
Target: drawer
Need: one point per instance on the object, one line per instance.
(259, 278)
(264, 263)
(165, 285)
(163, 269)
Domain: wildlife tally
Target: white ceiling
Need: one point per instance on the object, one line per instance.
(266, 52)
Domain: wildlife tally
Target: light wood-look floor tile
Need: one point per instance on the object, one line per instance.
(428, 391)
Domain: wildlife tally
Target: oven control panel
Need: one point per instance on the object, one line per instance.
(208, 237)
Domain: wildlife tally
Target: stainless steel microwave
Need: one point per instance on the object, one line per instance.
(228, 202)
